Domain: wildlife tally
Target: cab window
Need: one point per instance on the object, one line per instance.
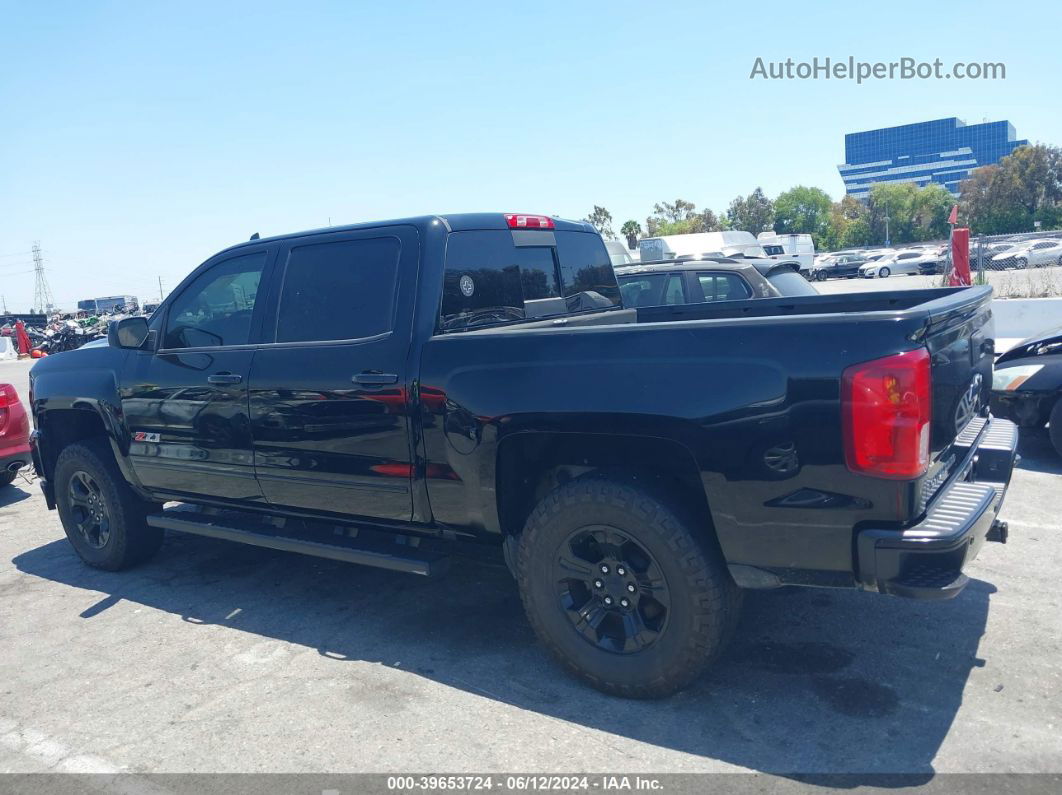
(723, 287)
(215, 309)
(341, 290)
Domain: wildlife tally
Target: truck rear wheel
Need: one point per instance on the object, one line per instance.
(102, 516)
(622, 590)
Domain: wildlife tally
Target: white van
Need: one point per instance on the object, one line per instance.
(728, 244)
(797, 247)
(619, 254)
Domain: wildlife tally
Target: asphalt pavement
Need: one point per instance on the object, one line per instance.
(216, 657)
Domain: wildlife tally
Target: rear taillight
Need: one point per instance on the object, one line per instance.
(518, 221)
(885, 415)
(8, 396)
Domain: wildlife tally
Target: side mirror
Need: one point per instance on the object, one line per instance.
(129, 332)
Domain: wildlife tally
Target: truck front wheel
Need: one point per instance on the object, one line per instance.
(102, 516)
(1055, 428)
(624, 592)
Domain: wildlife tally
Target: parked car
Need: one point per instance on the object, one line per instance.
(674, 282)
(936, 262)
(845, 266)
(1027, 384)
(907, 261)
(380, 390)
(879, 254)
(1034, 253)
(14, 435)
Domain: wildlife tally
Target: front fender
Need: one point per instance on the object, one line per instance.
(55, 388)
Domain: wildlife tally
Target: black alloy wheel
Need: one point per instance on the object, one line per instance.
(89, 510)
(611, 589)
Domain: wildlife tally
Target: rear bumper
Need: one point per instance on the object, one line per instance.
(926, 561)
(18, 455)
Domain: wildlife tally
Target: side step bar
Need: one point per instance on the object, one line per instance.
(409, 559)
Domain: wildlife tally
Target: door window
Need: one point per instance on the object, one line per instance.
(339, 291)
(723, 287)
(216, 308)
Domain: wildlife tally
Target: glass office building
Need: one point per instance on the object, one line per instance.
(942, 151)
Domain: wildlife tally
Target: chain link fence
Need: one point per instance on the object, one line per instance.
(1016, 252)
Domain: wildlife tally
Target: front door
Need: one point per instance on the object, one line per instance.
(328, 396)
(185, 403)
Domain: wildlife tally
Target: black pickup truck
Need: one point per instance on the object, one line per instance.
(374, 392)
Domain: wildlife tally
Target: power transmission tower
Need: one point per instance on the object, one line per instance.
(42, 293)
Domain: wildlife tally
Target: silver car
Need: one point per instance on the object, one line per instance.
(909, 261)
(1035, 253)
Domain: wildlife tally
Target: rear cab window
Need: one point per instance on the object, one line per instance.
(500, 276)
(339, 290)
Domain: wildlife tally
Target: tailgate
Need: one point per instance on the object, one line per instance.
(960, 337)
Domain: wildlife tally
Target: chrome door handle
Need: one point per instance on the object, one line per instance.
(224, 378)
(374, 378)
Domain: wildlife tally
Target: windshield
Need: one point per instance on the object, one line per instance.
(497, 276)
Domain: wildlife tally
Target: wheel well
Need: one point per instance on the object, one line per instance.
(64, 427)
(530, 465)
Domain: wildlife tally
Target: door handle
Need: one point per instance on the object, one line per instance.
(224, 378)
(375, 378)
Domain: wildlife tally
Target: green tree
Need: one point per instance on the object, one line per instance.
(681, 218)
(1024, 187)
(753, 213)
(631, 230)
(671, 218)
(601, 220)
(804, 210)
(930, 208)
(914, 214)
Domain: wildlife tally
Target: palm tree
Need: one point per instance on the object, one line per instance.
(631, 230)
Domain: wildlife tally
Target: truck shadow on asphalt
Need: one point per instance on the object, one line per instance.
(16, 492)
(1037, 453)
(816, 682)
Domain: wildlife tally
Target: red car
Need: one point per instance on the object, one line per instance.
(14, 435)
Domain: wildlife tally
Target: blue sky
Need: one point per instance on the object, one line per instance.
(139, 138)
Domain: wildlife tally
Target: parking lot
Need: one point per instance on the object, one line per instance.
(1030, 282)
(217, 657)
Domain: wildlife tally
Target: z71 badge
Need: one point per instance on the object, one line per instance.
(142, 436)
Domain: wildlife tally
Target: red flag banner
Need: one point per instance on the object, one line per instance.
(960, 257)
(954, 217)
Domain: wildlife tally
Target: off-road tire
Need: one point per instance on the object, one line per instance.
(130, 540)
(704, 600)
(1055, 428)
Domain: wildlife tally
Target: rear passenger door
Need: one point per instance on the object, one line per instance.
(328, 390)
